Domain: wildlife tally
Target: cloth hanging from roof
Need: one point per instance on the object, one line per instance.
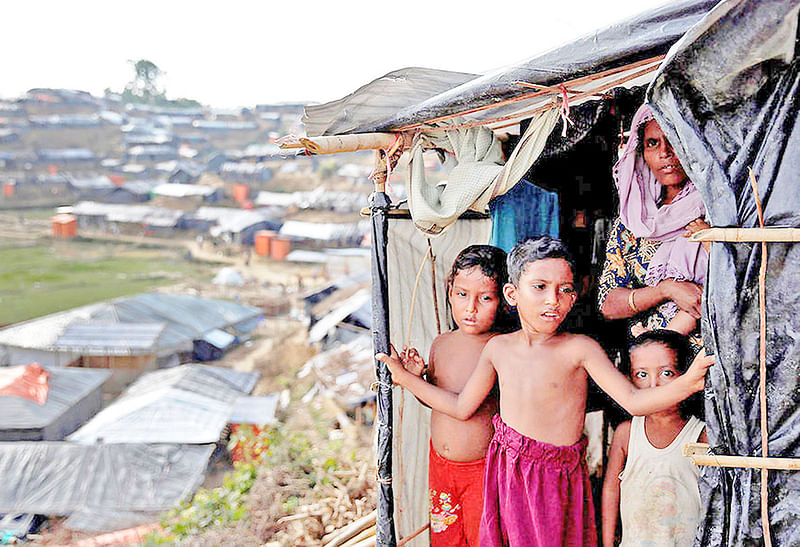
(26, 381)
(406, 251)
(479, 176)
(523, 212)
(728, 98)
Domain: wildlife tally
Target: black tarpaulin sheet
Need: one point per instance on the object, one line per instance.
(634, 39)
(727, 98)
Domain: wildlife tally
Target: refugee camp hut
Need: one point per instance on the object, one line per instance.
(90, 188)
(188, 404)
(325, 234)
(236, 226)
(136, 191)
(184, 194)
(63, 156)
(186, 318)
(100, 487)
(127, 349)
(73, 396)
(149, 153)
(131, 219)
(185, 174)
(557, 102)
(344, 315)
(245, 171)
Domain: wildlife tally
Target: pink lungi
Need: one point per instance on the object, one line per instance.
(535, 494)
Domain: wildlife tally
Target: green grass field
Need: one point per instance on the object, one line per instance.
(44, 278)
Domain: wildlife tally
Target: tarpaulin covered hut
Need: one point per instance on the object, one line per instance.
(726, 90)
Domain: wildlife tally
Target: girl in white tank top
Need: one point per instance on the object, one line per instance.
(649, 483)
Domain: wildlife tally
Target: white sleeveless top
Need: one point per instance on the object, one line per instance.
(659, 497)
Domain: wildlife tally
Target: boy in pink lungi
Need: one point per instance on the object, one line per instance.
(536, 487)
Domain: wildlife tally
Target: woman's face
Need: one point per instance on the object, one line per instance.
(660, 158)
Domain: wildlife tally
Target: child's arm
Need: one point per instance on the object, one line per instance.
(617, 456)
(683, 322)
(458, 405)
(641, 402)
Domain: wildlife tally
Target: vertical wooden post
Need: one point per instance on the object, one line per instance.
(379, 207)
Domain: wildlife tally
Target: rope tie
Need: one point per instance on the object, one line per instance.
(564, 110)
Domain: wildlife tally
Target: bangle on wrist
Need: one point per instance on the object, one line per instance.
(631, 303)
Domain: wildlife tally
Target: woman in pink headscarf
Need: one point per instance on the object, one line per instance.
(653, 274)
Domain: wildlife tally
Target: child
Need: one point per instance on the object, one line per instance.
(536, 490)
(458, 447)
(648, 480)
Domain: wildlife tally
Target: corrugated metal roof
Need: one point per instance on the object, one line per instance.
(187, 318)
(323, 231)
(187, 404)
(183, 190)
(95, 338)
(67, 387)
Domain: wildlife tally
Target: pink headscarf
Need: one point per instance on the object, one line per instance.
(639, 192)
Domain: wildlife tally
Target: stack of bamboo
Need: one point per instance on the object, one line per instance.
(360, 533)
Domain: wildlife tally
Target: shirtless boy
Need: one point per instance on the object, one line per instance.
(537, 491)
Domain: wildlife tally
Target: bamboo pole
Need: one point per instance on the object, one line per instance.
(412, 536)
(337, 144)
(360, 537)
(570, 83)
(748, 235)
(699, 454)
(762, 358)
(337, 537)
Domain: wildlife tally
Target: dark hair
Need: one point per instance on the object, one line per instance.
(492, 263)
(680, 346)
(640, 134)
(533, 249)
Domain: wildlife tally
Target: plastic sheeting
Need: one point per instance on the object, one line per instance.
(75, 395)
(189, 404)
(58, 478)
(728, 99)
(637, 38)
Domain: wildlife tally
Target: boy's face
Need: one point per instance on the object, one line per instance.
(473, 300)
(653, 365)
(544, 294)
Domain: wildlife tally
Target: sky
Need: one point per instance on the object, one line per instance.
(246, 52)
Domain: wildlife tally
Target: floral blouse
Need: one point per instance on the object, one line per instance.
(627, 260)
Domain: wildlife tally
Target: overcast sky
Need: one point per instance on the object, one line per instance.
(241, 53)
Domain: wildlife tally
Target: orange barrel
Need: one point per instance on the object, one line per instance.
(241, 192)
(279, 247)
(8, 189)
(263, 239)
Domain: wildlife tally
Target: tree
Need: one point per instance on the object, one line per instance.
(144, 86)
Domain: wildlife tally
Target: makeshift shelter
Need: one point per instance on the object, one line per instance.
(73, 396)
(100, 487)
(725, 89)
(188, 404)
(187, 318)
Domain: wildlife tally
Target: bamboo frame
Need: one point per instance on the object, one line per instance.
(700, 455)
(770, 234)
